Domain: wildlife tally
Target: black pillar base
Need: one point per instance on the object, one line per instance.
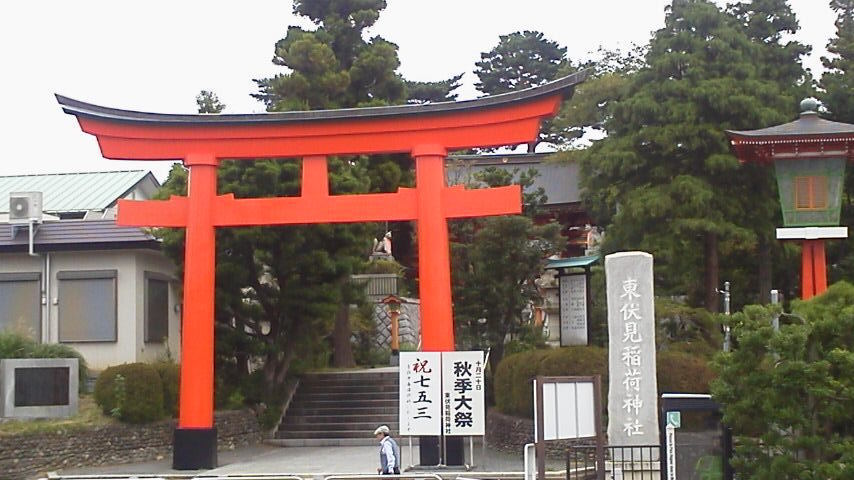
(194, 448)
(454, 451)
(428, 450)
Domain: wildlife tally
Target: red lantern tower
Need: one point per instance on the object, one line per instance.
(809, 157)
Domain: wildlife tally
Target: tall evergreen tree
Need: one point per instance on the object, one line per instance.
(523, 60)
(838, 80)
(664, 180)
(281, 290)
(838, 97)
(769, 24)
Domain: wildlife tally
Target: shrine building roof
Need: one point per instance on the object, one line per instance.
(810, 136)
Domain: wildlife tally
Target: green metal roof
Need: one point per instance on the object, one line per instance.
(73, 192)
(573, 262)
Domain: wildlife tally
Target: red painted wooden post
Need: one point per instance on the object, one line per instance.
(197, 340)
(434, 261)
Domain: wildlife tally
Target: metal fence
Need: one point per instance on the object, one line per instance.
(621, 461)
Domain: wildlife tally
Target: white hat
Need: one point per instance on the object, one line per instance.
(381, 429)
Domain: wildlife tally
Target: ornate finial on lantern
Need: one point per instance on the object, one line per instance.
(809, 105)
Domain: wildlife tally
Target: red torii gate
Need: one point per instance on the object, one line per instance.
(427, 132)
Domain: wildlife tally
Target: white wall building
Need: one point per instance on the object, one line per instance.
(107, 291)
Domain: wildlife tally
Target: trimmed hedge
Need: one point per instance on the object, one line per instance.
(677, 372)
(170, 376)
(14, 345)
(135, 398)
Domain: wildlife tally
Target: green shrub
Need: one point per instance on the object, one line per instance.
(677, 372)
(170, 377)
(14, 345)
(141, 388)
(681, 372)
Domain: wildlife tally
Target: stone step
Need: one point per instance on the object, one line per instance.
(344, 396)
(340, 410)
(326, 434)
(351, 376)
(340, 426)
(382, 418)
(336, 388)
(349, 403)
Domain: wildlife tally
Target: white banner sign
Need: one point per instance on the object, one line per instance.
(463, 404)
(573, 310)
(420, 393)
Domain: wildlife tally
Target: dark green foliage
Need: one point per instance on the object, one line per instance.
(170, 378)
(278, 289)
(494, 264)
(520, 60)
(432, 92)
(13, 345)
(838, 80)
(683, 328)
(664, 180)
(208, 102)
(789, 395)
(838, 84)
(677, 372)
(132, 392)
(523, 60)
(682, 372)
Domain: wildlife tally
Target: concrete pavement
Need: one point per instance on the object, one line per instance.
(267, 459)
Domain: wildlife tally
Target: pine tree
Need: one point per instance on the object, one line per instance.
(523, 60)
(208, 102)
(432, 92)
(280, 290)
(786, 394)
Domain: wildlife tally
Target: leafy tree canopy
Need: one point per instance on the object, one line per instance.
(495, 264)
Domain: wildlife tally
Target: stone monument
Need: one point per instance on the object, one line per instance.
(632, 392)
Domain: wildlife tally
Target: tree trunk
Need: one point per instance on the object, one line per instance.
(342, 348)
(765, 270)
(712, 302)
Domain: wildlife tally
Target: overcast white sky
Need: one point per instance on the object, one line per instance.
(158, 54)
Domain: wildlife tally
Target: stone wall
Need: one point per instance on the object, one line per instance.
(27, 455)
(510, 434)
(409, 325)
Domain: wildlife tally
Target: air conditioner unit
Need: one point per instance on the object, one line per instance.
(25, 207)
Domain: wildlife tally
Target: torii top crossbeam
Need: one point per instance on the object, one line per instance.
(426, 132)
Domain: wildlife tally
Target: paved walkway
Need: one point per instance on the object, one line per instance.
(271, 459)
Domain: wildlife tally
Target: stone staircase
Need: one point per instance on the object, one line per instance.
(340, 409)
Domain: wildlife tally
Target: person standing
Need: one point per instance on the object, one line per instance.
(389, 452)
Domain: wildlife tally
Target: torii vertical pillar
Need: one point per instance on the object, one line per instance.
(434, 260)
(426, 132)
(195, 437)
